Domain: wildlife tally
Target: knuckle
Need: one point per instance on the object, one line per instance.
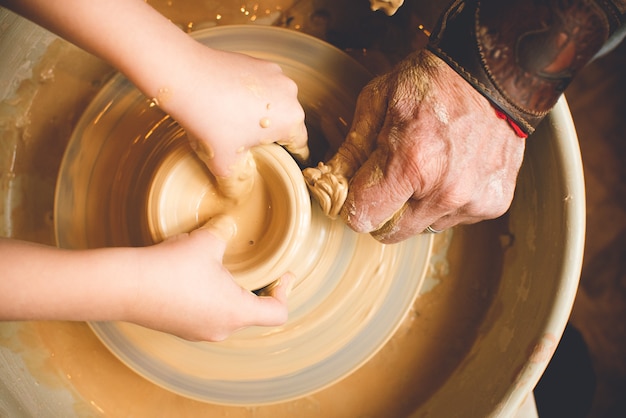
(500, 207)
(489, 208)
(355, 217)
(454, 196)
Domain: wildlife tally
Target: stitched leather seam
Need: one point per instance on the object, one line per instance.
(492, 78)
(508, 106)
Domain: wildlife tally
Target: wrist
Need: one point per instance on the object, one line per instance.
(109, 291)
(519, 56)
(154, 54)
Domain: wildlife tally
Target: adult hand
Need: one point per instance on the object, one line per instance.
(183, 288)
(425, 149)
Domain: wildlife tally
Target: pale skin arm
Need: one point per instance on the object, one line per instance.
(178, 286)
(227, 102)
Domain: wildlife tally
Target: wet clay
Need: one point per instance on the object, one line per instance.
(330, 189)
(429, 344)
(184, 196)
(481, 358)
(266, 201)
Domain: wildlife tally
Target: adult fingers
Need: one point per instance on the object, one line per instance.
(369, 116)
(328, 182)
(458, 200)
(378, 192)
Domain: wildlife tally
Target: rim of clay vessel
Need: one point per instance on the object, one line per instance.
(511, 351)
(339, 273)
(272, 219)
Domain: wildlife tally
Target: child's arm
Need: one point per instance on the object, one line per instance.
(228, 102)
(178, 286)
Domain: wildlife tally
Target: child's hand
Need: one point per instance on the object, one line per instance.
(183, 289)
(229, 102)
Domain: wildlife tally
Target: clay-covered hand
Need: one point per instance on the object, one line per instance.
(185, 290)
(425, 149)
(229, 102)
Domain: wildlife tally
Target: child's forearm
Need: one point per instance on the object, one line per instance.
(40, 282)
(207, 91)
(129, 34)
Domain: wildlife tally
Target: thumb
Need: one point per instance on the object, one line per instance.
(328, 183)
(369, 117)
(221, 227)
(269, 308)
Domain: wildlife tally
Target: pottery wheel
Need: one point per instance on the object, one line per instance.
(118, 187)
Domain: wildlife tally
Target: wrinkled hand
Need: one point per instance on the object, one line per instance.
(425, 149)
(229, 102)
(185, 290)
